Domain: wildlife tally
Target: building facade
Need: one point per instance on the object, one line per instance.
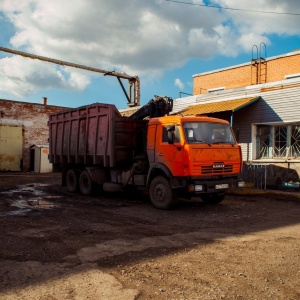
(22, 125)
(265, 116)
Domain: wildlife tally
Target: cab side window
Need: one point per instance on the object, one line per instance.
(165, 135)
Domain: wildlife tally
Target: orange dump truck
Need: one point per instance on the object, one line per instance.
(170, 156)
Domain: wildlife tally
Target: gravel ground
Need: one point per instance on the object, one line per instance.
(57, 245)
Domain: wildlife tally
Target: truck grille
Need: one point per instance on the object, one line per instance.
(221, 169)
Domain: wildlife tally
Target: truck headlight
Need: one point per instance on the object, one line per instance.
(241, 184)
(198, 188)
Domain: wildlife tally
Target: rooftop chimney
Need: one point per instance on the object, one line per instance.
(45, 100)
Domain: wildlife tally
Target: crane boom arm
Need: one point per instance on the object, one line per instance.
(159, 106)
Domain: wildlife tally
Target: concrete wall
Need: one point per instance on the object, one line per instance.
(34, 121)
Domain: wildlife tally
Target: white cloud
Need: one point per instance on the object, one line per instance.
(23, 81)
(139, 37)
(263, 23)
(179, 83)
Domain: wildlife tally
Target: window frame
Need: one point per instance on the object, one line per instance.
(276, 149)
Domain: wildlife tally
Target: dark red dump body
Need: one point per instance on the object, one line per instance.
(92, 135)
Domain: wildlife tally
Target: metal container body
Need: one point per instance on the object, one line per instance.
(92, 135)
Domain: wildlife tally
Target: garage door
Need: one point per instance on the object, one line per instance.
(11, 147)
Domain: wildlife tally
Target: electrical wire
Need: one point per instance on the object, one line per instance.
(236, 9)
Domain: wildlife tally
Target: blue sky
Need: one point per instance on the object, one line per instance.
(163, 42)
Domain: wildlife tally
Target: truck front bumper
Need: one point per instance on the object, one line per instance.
(210, 187)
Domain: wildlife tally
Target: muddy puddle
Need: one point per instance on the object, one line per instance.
(28, 197)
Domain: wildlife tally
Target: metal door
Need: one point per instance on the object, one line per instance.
(11, 147)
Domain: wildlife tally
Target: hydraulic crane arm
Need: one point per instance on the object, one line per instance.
(133, 95)
(159, 106)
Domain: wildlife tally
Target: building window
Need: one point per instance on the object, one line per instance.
(295, 140)
(278, 141)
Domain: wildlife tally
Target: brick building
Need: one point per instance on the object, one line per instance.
(22, 125)
(256, 71)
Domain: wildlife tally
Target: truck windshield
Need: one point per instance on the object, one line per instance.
(208, 133)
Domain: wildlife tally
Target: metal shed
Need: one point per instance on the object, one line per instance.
(40, 161)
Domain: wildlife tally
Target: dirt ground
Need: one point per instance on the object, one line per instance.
(57, 245)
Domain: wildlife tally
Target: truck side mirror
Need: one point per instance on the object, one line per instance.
(171, 136)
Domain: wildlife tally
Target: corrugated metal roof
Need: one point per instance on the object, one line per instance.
(213, 107)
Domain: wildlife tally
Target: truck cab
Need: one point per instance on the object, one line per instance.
(198, 156)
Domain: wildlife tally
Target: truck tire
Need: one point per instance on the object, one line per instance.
(213, 198)
(161, 194)
(112, 187)
(85, 183)
(72, 181)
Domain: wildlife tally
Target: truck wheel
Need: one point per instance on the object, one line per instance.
(161, 194)
(213, 198)
(85, 183)
(72, 181)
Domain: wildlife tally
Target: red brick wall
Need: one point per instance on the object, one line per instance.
(240, 76)
(34, 121)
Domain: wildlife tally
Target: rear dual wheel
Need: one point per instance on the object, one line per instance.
(72, 180)
(83, 181)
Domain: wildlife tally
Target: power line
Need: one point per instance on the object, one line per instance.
(236, 9)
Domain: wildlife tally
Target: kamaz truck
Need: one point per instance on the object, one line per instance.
(170, 156)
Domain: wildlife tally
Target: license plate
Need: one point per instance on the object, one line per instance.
(222, 186)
